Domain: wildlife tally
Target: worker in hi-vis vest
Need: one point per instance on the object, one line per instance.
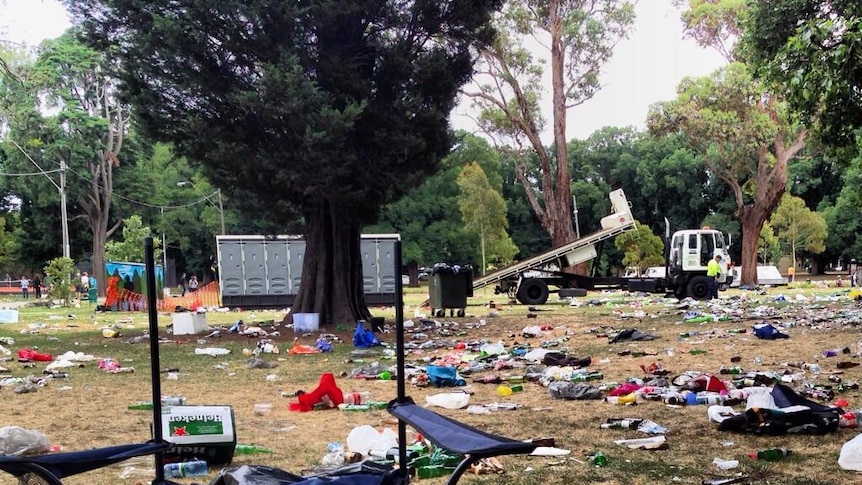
(713, 269)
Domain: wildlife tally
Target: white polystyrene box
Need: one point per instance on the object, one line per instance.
(188, 323)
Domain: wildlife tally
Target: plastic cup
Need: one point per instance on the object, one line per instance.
(262, 409)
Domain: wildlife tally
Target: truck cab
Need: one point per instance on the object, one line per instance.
(689, 253)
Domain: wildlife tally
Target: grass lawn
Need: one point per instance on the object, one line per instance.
(90, 407)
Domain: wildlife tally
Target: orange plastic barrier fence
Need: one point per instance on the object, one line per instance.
(207, 296)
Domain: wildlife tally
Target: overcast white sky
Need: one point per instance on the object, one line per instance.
(645, 68)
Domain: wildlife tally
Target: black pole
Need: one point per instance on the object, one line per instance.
(399, 347)
(152, 311)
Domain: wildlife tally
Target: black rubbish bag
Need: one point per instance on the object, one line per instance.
(365, 473)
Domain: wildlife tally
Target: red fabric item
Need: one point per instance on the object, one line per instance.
(624, 389)
(30, 354)
(326, 387)
(303, 349)
(705, 382)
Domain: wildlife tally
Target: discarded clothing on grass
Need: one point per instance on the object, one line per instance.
(573, 391)
(444, 376)
(791, 414)
(766, 331)
(631, 334)
(364, 473)
(562, 360)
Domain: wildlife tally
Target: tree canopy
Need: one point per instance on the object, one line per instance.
(747, 138)
(578, 39)
(337, 107)
(811, 51)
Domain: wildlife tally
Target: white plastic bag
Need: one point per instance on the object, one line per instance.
(15, 440)
(449, 400)
(725, 464)
(212, 351)
(718, 413)
(365, 438)
(851, 454)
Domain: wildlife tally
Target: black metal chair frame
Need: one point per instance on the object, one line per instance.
(52, 468)
(444, 432)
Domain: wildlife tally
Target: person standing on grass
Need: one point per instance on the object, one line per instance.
(193, 284)
(25, 286)
(183, 283)
(713, 269)
(37, 286)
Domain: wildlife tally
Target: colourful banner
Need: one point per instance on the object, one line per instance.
(132, 277)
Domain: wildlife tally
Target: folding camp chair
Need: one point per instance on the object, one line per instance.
(52, 468)
(442, 431)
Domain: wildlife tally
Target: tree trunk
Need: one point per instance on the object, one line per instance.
(332, 267)
(771, 183)
(560, 206)
(751, 219)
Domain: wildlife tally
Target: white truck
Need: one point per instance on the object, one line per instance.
(687, 253)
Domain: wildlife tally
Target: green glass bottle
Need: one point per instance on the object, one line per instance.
(251, 449)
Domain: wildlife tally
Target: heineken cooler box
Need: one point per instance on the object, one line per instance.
(199, 432)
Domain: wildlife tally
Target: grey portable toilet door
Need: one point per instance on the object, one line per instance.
(295, 258)
(230, 267)
(254, 265)
(276, 267)
(368, 248)
(386, 266)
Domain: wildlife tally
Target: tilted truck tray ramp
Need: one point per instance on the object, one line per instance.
(572, 253)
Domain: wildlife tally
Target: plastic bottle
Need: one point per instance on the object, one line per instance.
(360, 397)
(392, 454)
(691, 398)
(850, 419)
(251, 449)
(630, 398)
(709, 399)
(772, 454)
(173, 400)
(194, 468)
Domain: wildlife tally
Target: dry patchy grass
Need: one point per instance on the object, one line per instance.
(93, 412)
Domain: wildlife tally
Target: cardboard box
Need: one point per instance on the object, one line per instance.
(199, 432)
(188, 323)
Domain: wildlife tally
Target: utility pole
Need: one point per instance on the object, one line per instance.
(64, 217)
(221, 212)
(575, 209)
(164, 244)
